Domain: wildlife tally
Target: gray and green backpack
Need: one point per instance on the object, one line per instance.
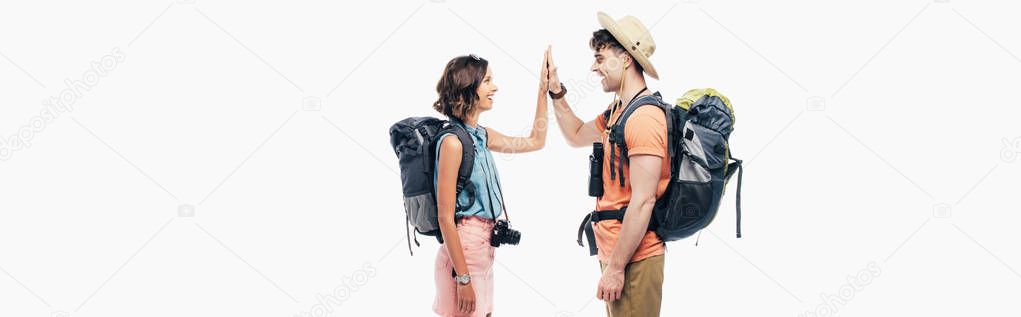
(698, 130)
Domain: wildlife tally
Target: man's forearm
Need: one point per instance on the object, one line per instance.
(568, 122)
(632, 230)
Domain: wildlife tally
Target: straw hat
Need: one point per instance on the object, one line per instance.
(635, 38)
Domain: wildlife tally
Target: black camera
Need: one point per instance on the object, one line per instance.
(595, 161)
(503, 234)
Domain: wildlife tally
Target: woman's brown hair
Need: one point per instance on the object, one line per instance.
(458, 87)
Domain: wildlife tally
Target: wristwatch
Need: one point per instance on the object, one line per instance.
(563, 91)
(463, 279)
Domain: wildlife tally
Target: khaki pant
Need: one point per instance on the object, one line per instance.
(643, 289)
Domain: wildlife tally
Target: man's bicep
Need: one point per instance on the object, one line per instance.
(589, 133)
(645, 173)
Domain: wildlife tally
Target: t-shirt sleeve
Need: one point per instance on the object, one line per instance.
(645, 132)
(601, 121)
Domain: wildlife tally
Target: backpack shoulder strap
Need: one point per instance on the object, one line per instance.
(464, 171)
(617, 131)
(649, 100)
(653, 99)
(606, 116)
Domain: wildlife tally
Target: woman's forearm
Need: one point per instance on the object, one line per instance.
(450, 237)
(541, 122)
(536, 139)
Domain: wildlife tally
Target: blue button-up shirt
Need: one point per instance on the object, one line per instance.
(483, 177)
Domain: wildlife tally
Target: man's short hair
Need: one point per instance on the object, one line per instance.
(603, 39)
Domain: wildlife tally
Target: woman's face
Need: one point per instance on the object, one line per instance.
(486, 91)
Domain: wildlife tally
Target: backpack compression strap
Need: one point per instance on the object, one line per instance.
(736, 165)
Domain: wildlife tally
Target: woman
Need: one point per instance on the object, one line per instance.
(464, 275)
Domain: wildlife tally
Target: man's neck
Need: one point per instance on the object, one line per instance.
(633, 84)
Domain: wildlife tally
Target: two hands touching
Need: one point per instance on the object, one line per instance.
(549, 81)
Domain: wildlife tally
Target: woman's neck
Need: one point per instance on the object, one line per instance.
(472, 120)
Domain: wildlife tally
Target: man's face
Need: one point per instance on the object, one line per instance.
(609, 64)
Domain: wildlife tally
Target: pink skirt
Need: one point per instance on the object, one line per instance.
(474, 233)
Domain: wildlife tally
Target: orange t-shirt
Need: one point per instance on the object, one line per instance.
(645, 134)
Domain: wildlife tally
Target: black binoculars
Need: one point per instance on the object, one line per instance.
(595, 181)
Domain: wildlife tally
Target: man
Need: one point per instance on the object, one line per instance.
(631, 257)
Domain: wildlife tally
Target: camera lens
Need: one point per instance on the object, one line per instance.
(513, 237)
(503, 234)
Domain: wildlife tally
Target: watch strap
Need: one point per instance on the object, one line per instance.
(563, 91)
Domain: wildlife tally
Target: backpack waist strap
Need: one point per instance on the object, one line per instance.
(592, 218)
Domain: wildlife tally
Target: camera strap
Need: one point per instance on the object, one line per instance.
(503, 203)
(489, 190)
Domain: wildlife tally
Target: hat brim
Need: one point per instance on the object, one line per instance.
(611, 25)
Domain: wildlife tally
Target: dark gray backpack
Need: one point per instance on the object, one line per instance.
(414, 141)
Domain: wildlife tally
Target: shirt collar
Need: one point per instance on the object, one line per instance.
(478, 131)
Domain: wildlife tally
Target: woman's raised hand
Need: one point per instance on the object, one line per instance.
(552, 79)
(544, 71)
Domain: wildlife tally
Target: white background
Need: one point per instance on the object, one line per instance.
(903, 161)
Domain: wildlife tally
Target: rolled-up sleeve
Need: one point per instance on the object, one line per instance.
(645, 132)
